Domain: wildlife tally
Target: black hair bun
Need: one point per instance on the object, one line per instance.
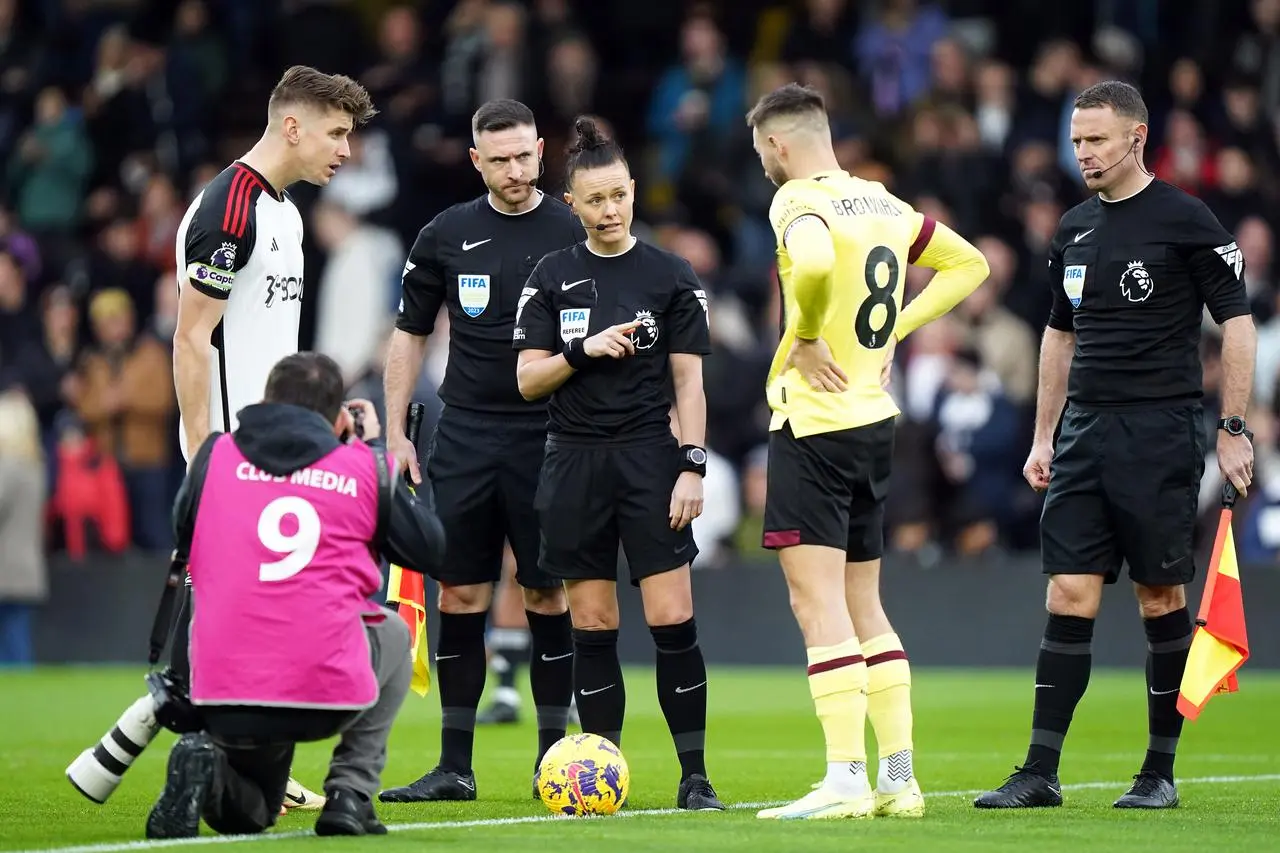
(589, 135)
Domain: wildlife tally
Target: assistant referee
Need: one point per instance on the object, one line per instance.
(605, 328)
(1132, 269)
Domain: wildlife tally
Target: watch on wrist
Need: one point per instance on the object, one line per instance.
(1234, 425)
(693, 458)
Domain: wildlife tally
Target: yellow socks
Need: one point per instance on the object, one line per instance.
(889, 707)
(838, 682)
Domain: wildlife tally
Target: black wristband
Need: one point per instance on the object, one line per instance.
(576, 355)
(693, 458)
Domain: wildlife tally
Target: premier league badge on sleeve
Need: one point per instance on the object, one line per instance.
(1073, 283)
(224, 257)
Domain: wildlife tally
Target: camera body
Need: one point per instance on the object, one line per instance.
(357, 420)
(174, 710)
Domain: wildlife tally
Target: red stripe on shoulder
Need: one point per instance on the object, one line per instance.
(228, 211)
(244, 203)
(922, 241)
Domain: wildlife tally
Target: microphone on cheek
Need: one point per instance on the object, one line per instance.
(1098, 173)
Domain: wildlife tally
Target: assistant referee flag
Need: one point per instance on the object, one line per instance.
(1220, 646)
(407, 591)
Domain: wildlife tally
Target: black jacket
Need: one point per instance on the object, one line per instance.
(279, 439)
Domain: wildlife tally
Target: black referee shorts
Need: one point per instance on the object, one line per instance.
(829, 489)
(484, 473)
(592, 497)
(1123, 488)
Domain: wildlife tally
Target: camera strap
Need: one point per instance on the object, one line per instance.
(163, 624)
(385, 497)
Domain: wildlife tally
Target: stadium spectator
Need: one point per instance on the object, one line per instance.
(18, 321)
(1004, 342)
(23, 582)
(49, 367)
(49, 172)
(350, 321)
(894, 53)
(977, 446)
(127, 404)
(697, 100)
(21, 245)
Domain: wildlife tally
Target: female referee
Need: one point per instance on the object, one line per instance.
(606, 328)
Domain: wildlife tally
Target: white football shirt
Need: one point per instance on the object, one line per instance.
(241, 240)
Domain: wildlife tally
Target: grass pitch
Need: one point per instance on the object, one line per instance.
(764, 747)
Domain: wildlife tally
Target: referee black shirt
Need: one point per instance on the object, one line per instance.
(575, 293)
(476, 259)
(1131, 279)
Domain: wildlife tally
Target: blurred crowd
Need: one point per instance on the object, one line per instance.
(114, 113)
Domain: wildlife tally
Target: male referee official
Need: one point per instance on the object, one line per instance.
(1137, 265)
(486, 455)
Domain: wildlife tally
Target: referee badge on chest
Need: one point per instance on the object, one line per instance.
(473, 293)
(574, 323)
(1073, 283)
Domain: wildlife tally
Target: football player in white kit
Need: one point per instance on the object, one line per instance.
(239, 252)
(240, 285)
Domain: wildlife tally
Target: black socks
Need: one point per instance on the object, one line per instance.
(1062, 674)
(1168, 640)
(682, 692)
(597, 680)
(460, 673)
(551, 675)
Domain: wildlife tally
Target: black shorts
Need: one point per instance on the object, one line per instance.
(1123, 488)
(829, 489)
(484, 473)
(592, 498)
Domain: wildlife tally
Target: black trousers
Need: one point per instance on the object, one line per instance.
(254, 748)
(254, 745)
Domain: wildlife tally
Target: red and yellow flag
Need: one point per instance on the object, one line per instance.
(1220, 645)
(405, 590)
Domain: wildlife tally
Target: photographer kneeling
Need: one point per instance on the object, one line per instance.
(282, 522)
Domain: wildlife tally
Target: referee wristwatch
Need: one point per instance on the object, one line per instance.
(693, 458)
(1234, 425)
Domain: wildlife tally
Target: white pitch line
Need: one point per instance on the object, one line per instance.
(123, 846)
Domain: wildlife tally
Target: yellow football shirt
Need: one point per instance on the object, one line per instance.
(873, 233)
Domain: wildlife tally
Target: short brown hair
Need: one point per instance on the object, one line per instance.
(501, 114)
(302, 84)
(789, 100)
(1120, 96)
